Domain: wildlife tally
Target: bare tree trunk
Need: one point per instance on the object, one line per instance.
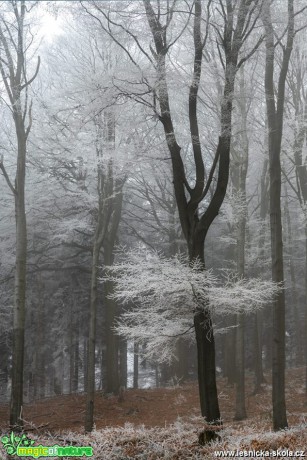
(40, 351)
(71, 347)
(306, 308)
(259, 326)
(85, 366)
(241, 166)
(4, 367)
(205, 343)
(135, 365)
(299, 101)
(275, 126)
(206, 366)
(109, 211)
(75, 377)
(240, 348)
(105, 189)
(20, 292)
(123, 363)
(297, 344)
(90, 378)
(229, 354)
(259, 377)
(181, 366)
(112, 339)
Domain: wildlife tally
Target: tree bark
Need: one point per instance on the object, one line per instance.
(112, 342)
(259, 377)
(297, 342)
(123, 364)
(241, 165)
(206, 367)
(300, 104)
(20, 289)
(306, 308)
(264, 202)
(111, 307)
(275, 126)
(229, 354)
(90, 378)
(135, 366)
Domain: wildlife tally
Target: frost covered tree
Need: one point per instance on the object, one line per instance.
(94, 158)
(161, 295)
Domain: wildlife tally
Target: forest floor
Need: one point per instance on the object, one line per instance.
(164, 423)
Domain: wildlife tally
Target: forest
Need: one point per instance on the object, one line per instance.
(153, 229)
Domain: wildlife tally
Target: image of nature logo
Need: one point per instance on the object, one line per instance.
(22, 446)
(12, 442)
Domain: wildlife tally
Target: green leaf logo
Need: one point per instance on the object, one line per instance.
(12, 442)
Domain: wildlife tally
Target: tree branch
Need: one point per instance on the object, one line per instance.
(27, 83)
(8, 181)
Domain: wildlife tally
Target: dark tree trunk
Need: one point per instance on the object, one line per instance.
(135, 365)
(263, 330)
(85, 366)
(40, 352)
(112, 339)
(297, 342)
(75, 376)
(275, 127)
(240, 377)
(241, 167)
(90, 377)
(205, 343)
(4, 367)
(229, 355)
(300, 104)
(206, 367)
(71, 349)
(181, 368)
(112, 381)
(123, 363)
(259, 377)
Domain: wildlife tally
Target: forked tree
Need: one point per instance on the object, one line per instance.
(238, 21)
(199, 203)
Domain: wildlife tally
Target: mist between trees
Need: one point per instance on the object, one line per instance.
(176, 131)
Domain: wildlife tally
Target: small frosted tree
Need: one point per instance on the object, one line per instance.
(160, 295)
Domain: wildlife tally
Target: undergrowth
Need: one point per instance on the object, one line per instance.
(177, 441)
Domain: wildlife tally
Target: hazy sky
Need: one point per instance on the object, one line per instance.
(51, 26)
